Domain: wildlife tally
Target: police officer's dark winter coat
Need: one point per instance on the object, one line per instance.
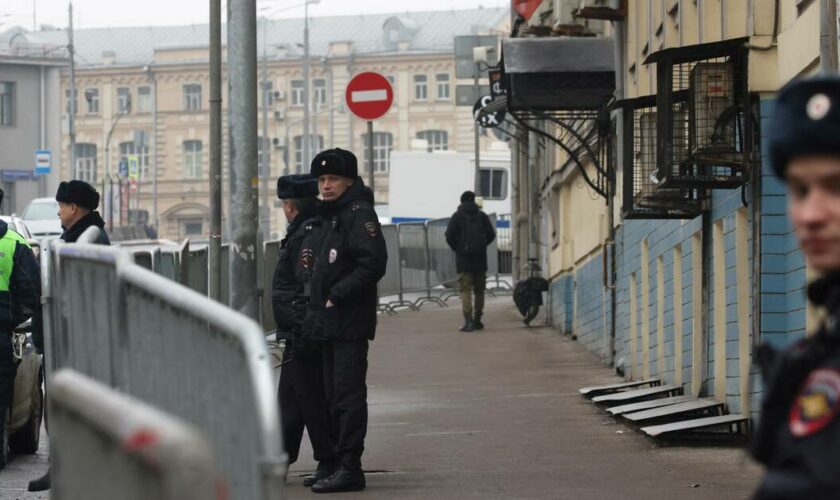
(469, 213)
(798, 436)
(349, 259)
(72, 234)
(287, 292)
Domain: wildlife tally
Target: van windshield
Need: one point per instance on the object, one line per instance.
(44, 210)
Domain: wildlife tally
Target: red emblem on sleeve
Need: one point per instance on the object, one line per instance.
(817, 403)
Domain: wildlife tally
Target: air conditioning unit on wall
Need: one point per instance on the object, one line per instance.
(279, 95)
(279, 142)
(714, 121)
(279, 115)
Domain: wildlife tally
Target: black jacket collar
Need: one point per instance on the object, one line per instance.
(72, 234)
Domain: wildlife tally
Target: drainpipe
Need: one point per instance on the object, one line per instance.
(828, 36)
(42, 143)
(618, 47)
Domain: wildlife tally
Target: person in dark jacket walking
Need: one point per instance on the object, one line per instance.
(301, 392)
(77, 203)
(348, 258)
(798, 435)
(20, 299)
(468, 234)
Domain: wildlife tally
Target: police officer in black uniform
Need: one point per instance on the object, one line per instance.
(798, 436)
(349, 258)
(301, 393)
(20, 297)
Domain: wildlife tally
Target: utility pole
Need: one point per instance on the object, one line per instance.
(477, 183)
(214, 249)
(71, 115)
(265, 213)
(242, 122)
(307, 146)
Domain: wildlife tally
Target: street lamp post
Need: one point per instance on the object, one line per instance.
(307, 146)
(121, 110)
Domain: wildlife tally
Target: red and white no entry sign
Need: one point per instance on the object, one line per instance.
(369, 95)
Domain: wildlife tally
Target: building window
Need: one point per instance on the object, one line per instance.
(267, 97)
(438, 139)
(421, 87)
(320, 87)
(68, 100)
(493, 185)
(144, 99)
(297, 92)
(383, 143)
(192, 97)
(92, 99)
(7, 103)
(86, 162)
(123, 100)
(193, 227)
(130, 149)
(263, 146)
(316, 143)
(442, 80)
(192, 159)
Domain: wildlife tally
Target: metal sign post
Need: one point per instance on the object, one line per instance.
(369, 96)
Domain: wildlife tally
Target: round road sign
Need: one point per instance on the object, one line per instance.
(369, 95)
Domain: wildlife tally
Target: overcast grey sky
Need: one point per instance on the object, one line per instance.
(101, 13)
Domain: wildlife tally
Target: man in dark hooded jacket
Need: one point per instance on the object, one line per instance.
(77, 203)
(301, 392)
(348, 258)
(468, 234)
(20, 297)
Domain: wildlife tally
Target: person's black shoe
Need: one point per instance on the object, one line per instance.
(40, 484)
(477, 324)
(341, 480)
(468, 326)
(322, 472)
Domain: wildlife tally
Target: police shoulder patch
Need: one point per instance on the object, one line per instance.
(817, 403)
(307, 257)
(371, 229)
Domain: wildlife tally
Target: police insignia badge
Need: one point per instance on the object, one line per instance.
(817, 403)
(306, 257)
(333, 255)
(371, 229)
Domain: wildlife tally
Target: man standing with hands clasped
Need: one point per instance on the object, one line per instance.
(349, 259)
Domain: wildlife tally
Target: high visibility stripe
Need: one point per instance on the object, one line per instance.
(8, 245)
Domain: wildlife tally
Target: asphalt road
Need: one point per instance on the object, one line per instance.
(21, 469)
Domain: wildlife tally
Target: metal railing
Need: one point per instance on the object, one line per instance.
(107, 445)
(171, 347)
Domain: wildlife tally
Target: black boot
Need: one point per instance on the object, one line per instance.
(468, 324)
(477, 324)
(341, 480)
(40, 484)
(325, 469)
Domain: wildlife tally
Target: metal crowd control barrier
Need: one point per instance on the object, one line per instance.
(414, 260)
(271, 253)
(194, 265)
(441, 259)
(392, 283)
(106, 445)
(172, 348)
(499, 255)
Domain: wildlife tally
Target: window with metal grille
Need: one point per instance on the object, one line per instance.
(383, 143)
(123, 100)
(297, 92)
(192, 97)
(442, 80)
(130, 149)
(421, 87)
(7, 103)
(92, 99)
(193, 159)
(316, 143)
(642, 197)
(86, 162)
(493, 185)
(438, 139)
(706, 117)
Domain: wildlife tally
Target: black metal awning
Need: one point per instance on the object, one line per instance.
(566, 73)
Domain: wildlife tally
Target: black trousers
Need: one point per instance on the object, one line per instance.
(345, 369)
(8, 370)
(303, 403)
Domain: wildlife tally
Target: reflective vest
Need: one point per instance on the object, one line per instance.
(8, 245)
